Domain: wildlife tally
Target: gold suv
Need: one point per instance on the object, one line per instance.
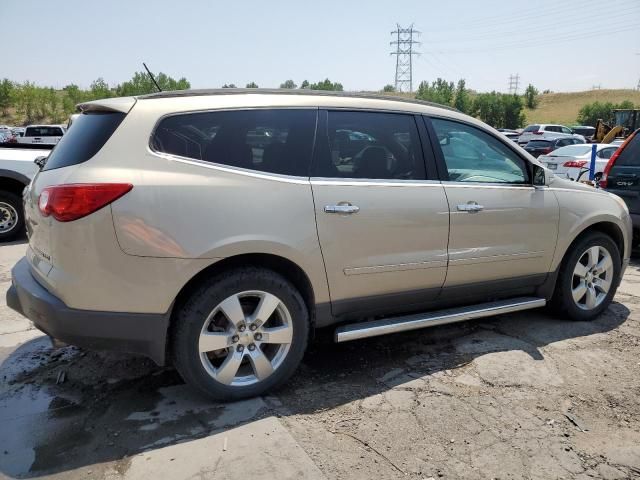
(217, 229)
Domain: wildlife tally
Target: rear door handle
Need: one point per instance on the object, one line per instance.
(342, 208)
(471, 207)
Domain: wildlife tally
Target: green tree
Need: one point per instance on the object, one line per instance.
(326, 84)
(389, 88)
(252, 85)
(71, 97)
(499, 111)
(462, 100)
(591, 112)
(26, 98)
(231, 85)
(304, 84)
(99, 89)
(6, 95)
(288, 84)
(440, 91)
(531, 96)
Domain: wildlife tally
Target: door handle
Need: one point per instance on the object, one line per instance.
(342, 208)
(471, 207)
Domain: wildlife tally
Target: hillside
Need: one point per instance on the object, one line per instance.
(563, 108)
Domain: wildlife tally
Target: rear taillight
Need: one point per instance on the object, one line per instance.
(547, 150)
(612, 160)
(70, 202)
(539, 132)
(575, 164)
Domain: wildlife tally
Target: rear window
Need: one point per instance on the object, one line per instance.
(630, 155)
(531, 128)
(89, 133)
(538, 144)
(43, 132)
(274, 140)
(573, 150)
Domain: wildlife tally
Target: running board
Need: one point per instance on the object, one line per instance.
(385, 326)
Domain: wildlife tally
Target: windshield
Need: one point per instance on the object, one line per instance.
(572, 151)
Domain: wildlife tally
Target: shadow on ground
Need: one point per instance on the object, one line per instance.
(65, 409)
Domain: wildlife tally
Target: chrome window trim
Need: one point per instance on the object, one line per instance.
(366, 182)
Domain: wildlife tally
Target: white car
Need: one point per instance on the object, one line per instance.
(543, 131)
(573, 160)
(42, 134)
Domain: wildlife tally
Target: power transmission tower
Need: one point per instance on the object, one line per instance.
(638, 87)
(404, 53)
(514, 80)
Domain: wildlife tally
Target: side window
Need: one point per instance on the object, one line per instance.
(371, 145)
(564, 142)
(472, 155)
(566, 130)
(606, 153)
(275, 141)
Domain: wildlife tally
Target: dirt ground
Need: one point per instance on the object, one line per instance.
(517, 396)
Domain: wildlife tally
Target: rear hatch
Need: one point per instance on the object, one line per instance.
(622, 174)
(90, 132)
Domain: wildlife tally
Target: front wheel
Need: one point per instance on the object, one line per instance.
(241, 334)
(588, 278)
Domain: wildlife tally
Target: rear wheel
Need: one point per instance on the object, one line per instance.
(242, 333)
(588, 278)
(11, 216)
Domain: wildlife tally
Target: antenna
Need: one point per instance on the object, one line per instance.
(404, 53)
(152, 77)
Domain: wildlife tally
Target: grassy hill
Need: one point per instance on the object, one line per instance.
(563, 108)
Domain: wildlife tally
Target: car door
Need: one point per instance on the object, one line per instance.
(383, 225)
(501, 226)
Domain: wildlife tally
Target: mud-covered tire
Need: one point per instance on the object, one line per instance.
(570, 283)
(212, 305)
(11, 216)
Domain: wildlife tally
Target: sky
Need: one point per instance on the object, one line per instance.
(561, 46)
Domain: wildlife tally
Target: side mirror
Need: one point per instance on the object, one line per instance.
(541, 176)
(444, 139)
(40, 161)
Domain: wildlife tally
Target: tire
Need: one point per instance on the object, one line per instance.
(11, 216)
(214, 317)
(587, 306)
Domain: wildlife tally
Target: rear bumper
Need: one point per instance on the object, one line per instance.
(140, 333)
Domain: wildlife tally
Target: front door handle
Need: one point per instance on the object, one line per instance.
(341, 208)
(471, 207)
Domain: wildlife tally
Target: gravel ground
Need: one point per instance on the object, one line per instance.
(517, 396)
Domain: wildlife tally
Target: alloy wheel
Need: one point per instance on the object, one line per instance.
(245, 338)
(592, 278)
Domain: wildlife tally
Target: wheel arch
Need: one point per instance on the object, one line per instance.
(608, 227)
(281, 265)
(13, 182)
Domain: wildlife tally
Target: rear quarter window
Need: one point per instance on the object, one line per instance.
(89, 133)
(268, 140)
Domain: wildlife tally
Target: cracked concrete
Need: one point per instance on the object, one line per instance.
(479, 400)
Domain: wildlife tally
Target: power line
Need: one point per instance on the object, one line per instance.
(404, 53)
(514, 80)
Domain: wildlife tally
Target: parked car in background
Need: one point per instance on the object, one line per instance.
(17, 168)
(622, 177)
(42, 134)
(545, 131)
(18, 131)
(569, 162)
(6, 136)
(542, 147)
(367, 215)
(510, 134)
(584, 130)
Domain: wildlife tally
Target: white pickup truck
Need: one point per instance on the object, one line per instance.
(42, 134)
(17, 168)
